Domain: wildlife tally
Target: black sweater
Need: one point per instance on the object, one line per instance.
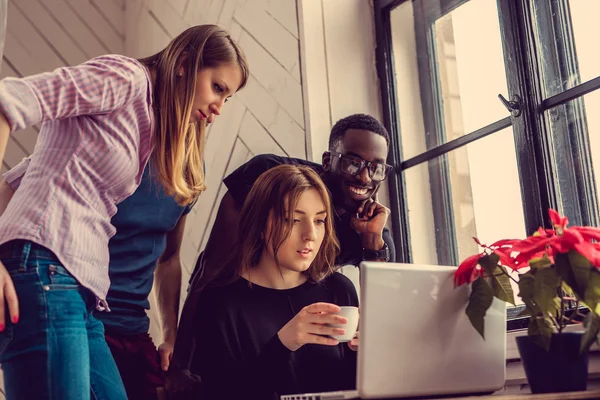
(239, 355)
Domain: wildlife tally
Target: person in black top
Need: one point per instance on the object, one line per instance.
(261, 332)
(353, 168)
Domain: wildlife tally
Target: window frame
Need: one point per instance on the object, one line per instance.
(534, 143)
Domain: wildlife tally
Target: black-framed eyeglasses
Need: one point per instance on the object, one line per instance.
(353, 165)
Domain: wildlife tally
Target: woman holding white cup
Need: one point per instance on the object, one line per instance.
(268, 330)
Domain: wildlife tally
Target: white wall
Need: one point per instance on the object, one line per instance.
(339, 72)
(45, 34)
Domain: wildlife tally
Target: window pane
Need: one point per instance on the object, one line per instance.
(567, 32)
(408, 94)
(486, 197)
(470, 67)
(575, 128)
(420, 216)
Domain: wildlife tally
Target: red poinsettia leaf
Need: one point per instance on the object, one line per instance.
(572, 236)
(561, 245)
(532, 244)
(557, 219)
(554, 217)
(465, 270)
(596, 261)
(478, 242)
(505, 258)
(522, 259)
(504, 243)
(589, 251)
(476, 273)
(544, 232)
(588, 232)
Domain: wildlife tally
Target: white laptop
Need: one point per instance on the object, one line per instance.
(416, 340)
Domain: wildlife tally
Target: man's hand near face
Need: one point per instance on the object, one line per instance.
(369, 221)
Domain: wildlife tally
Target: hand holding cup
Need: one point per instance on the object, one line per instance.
(314, 324)
(351, 314)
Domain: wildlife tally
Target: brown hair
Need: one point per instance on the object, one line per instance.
(267, 201)
(179, 145)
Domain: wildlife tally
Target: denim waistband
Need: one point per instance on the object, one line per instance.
(15, 248)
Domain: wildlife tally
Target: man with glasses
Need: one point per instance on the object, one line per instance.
(353, 169)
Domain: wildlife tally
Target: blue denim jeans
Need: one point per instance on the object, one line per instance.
(57, 349)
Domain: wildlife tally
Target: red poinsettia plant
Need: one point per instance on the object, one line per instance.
(558, 272)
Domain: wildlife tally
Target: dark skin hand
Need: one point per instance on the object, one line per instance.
(369, 221)
(179, 382)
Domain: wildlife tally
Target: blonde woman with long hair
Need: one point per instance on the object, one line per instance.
(101, 123)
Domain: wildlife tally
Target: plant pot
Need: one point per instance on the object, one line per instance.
(562, 369)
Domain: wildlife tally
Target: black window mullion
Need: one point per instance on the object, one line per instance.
(457, 143)
(391, 116)
(572, 93)
(577, 188)
(548, 17)
(433, 116)
(534, 157)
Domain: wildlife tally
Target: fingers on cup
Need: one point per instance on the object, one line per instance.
(329, 319)
(324, 340)
(338, 331)
(326, 330)
(317, 308)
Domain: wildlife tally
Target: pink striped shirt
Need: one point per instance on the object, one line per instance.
(90, 154)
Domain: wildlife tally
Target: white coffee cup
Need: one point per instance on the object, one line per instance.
(351, 314)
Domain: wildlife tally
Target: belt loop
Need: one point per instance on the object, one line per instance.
(25, 254)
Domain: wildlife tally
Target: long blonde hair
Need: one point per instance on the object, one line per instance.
(178, 144)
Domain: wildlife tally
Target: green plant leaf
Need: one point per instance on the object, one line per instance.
(592, 331)
(501, 286)
(592, 292)
(526, 290)
(581, 270)
(480, 300)
(565, 271)
(539, 263)
(489, 263)
(568, 291)
(546, 286)
(540, 331)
